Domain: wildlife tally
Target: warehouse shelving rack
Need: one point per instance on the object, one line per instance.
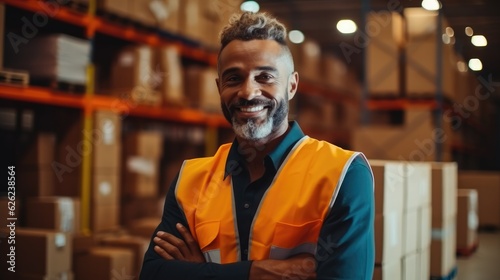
(89, 102)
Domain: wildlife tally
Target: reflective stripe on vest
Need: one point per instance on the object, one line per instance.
(290, 215)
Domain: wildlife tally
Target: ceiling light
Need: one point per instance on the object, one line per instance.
(296, 36)
(446, 39)
(346, 26)
(431, 5)
(450, 32)
(250, 6)
(468, 31)
(475, 64)
(479, 41)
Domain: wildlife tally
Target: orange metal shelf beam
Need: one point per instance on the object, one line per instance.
(42, 96)
(400, 104)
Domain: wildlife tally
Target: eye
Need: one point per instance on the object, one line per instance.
(264, 77)
(232, 79)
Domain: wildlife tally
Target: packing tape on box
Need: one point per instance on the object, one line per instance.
(141, 165)
(60, 240)
(473, 220)
(159, 10)
(442, 233)
(393, 220)
(67, 213)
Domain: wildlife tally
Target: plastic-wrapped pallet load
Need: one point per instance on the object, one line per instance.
(52, 58)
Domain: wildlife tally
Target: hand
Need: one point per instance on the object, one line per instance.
(301, 266)
(170, 247)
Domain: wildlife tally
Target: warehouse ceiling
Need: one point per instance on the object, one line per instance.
(317, 19)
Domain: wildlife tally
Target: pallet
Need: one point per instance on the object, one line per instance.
(467, 252)
(78, 6)
(60, 85)
(124, 21)
(14, 77)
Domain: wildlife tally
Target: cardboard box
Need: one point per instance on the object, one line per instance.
(410, 267)
(307, 60)
(201, 89)
(171, 12)
(444, 191)
(147, 144)
(388, 237)
(105, 217)
(133, 208)
(389, 271)
(120, 8)
(107, 128)
(418, 185)
(487, 185)
(82, 243)
(35, 181)
(422, 57)
(443, 248)
(467, 219)
(42, 252)
(138, 246)
(172, 75)
(424, 227)
(145, 227)
(57, 213)
(141, 177)
(40, 152)
(146, 12)
(107, 159)
(67, 275)
(425, 263)
(106, 190)
(105, 263)
(386, 30)
(410, 232)
(389, 179)
(334, 72)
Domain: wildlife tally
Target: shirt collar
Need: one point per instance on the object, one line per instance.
(276, 157)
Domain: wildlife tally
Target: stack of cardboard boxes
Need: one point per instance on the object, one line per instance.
(444, 215)
(467, 221)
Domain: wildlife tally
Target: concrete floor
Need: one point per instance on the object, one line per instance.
(484, 264)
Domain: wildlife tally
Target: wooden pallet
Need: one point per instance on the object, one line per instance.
(79, 6)
(60, 85)
(14, 77)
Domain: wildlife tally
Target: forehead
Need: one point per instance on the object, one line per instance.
(252, 53)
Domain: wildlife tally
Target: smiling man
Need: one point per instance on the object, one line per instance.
(275, 203)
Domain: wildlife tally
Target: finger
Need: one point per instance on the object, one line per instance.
(188, 238)
(163, 253)
(176, 242)
(167, 246)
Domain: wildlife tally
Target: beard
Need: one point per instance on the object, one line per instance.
(255, 129)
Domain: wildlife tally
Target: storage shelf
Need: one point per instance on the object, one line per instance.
(46, 96)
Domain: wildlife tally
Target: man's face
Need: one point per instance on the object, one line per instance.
(255, 84)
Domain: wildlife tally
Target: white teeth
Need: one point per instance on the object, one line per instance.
(252, 109)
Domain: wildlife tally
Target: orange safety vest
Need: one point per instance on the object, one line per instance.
(290, 215)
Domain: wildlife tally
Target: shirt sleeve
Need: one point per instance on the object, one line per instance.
(346, 246)
(155, 267)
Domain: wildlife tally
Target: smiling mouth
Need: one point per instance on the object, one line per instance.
(251, 109)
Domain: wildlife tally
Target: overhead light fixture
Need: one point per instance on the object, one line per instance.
(475, 64)
(468, 31)
(450, 32)
(346, 26)
(479, 41)
(446, 39)
(461, 66)
(431, 5)
(250, 6)
(296, 36)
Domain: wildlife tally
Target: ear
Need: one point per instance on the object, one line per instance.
(293, 84)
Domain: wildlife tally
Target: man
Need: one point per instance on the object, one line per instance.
(274, 204)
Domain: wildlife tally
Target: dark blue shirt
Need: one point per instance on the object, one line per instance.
(346, 241)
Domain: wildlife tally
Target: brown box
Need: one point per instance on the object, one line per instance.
(105, 217)
(82, 243)
(307, 60)
(120, 8)
(107, 159)
(137, 245)
(444, 191)
(141, 177)
(389, 271)
(107, 128)
(334, 72)
(144, 227)
(389, 179)
(133, 208)
(418, 185)
(171, 21)
(147, 12)
(40, 152)
(201, 90)
(106, 189)
(487, 185)
(42, 252)
(422, 57)
(425, 263)
(467, 220)
(104, 264)
(410, 267)
(147, 144)
(410, 232)
(382, 52)
(388, 238)
(36, 181)
(172, 75)
(424, 227)
(443, 248)
(52, 212)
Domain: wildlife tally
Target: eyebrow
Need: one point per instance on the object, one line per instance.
(260, 68)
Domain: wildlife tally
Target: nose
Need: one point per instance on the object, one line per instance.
(249, 89)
